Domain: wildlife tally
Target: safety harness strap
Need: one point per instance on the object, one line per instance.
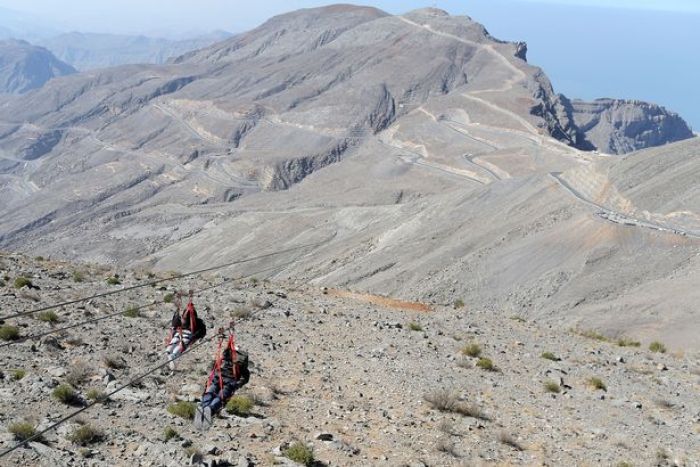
(191, 313)
(217, 368)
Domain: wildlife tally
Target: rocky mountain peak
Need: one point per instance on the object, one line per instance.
(24, 67)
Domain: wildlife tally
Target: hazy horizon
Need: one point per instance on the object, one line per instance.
(589, 48)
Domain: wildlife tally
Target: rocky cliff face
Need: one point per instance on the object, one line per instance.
(24, 67)
(617, 126)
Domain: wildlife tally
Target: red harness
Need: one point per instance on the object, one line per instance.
(189, 311)
(193, 317)
(216, 372)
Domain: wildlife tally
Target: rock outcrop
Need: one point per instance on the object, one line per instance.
(616, 126)
(24, 67)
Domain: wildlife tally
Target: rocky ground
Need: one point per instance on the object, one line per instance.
(358, 378)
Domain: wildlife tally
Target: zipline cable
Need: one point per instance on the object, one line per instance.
(68, 417)
(158, 281)
(140, 307)
(106, 396)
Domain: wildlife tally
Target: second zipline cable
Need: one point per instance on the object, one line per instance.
(158, 281)
(140, 307)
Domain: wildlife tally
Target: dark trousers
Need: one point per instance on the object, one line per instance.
(216, 397)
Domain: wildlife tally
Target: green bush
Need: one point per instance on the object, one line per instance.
(459, 303)
(48, 317)
(85, 435)
(485, 364)
(550, 356)
(22, 431)
(624, 342)
(78, 276)
(552, 386)
(9, 333)
(657, 346)
(472, 350)
(413, 326)
(132, 312)
(597, 383)
(65, 393)
(300, 453)
(168, 298)
(240, 405)
(170, 433)
(114, 280)
(96, 395)
(22, 282)
(183, 409)
(591, 334)
(17, 374)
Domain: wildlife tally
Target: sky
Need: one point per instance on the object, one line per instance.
(643, 49)
(166, 16)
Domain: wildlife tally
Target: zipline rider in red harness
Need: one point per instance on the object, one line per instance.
(229, 373)
(185, 329)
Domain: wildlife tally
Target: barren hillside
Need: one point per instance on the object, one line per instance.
(361, 379)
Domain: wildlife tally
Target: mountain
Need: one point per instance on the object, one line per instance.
(24, 67)
(87, 51)
(427, 159)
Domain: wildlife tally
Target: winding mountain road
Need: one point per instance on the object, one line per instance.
(616, 216)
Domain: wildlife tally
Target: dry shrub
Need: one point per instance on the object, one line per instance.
(78, 374)
(509, 440)
(446, 445)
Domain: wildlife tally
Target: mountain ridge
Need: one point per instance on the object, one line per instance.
(24, 67)
(435, 182)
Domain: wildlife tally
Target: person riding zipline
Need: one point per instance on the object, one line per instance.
(229, 373)
(184, 330)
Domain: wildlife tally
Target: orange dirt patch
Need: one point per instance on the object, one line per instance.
(381, 301)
